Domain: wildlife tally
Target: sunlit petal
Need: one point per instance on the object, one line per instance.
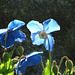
(3, 31)
(51, 25)
(37, 40)
(33, 36)
(49, 42)
(16, 24)
(33, 53)
(34, 26)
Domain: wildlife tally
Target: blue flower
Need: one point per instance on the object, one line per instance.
(31, 59)
(11, 34)
(40, 33)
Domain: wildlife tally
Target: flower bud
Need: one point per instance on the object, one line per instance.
(54, 62)
(55, 69)
(20, 50)
(69, 64)
(5, 56)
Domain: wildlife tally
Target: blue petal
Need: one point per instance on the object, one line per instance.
(34, 60)
(33, 36)
(33, 53)
(34, 26)
(50, 25)
(16, 24)
(31, 60)
(19, 35)
(36, 40)
(49, 42)
(2, 31)
(9, 41)
(22, 67)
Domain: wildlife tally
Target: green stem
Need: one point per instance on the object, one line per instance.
(19, 63)
(43, 67)
(11, 56)
(50, 61)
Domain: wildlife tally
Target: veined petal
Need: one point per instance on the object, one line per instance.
(37, 40)
(19, 35)
(34, 60)
(34, 26)
(33, 53)
(9, 40)
(49, 42)
(50, 25)
(16, 24)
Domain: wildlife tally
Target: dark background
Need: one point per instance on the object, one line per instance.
(63, 11)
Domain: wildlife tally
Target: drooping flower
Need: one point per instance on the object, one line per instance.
(41, 33)
(31, 59)
(10, 34)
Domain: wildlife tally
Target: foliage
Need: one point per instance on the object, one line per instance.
(7, 67)
(55, 69)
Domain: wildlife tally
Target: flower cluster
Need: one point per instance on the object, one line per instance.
(40, 34)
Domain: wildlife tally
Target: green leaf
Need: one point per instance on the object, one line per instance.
(74, 67)
(47, 69)
(6, 67)
(11, 73)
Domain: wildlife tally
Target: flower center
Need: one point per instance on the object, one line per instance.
(43, 34)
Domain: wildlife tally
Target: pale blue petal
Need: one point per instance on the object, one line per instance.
(50, 25)
(33, 53)
(33, 36)
(34, 26)
(9, 41)
(16, 24)
(49, 42)
(19, 35)
(3, 31)
(37, 40)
